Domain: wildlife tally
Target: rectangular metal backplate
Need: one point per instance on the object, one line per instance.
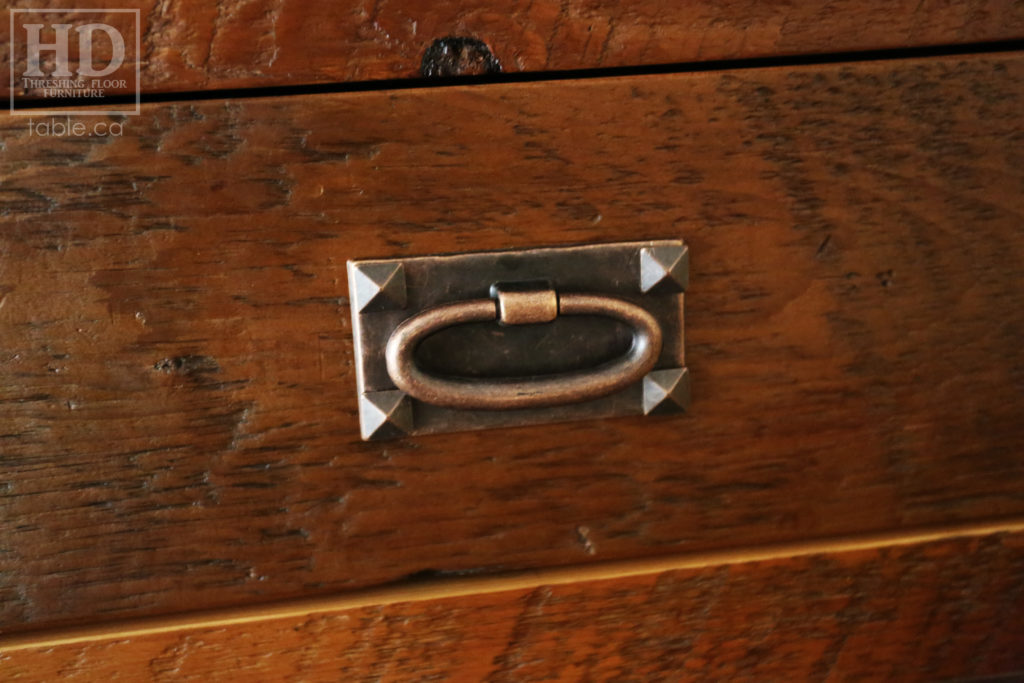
(384, 293)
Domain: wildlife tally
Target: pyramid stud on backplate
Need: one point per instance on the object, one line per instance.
(664, 269)
(666, 391)
(378, 286)
(384, 414)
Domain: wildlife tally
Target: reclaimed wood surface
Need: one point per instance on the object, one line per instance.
(920, 612)
(197, 45)
(178, 420)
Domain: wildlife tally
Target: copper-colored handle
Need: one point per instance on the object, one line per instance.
(531, 393)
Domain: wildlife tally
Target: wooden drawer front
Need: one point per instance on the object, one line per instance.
(193, 45)
(919, 610)
(177, 403)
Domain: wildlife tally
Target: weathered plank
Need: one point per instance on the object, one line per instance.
(920, 612)
(177, 409)
(196, 45)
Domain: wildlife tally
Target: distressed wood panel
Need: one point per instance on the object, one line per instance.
(177, 413)
(195, 45)
(922, 612)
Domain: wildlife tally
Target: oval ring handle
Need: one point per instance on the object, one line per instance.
(514, 393)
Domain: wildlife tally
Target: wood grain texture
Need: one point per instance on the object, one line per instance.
(197, 45)
(928, 611)
(177, 403)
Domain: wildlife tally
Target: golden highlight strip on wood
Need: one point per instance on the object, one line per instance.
(479, 585)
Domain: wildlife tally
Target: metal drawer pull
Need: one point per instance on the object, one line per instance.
(588, 332)
(522, 308)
